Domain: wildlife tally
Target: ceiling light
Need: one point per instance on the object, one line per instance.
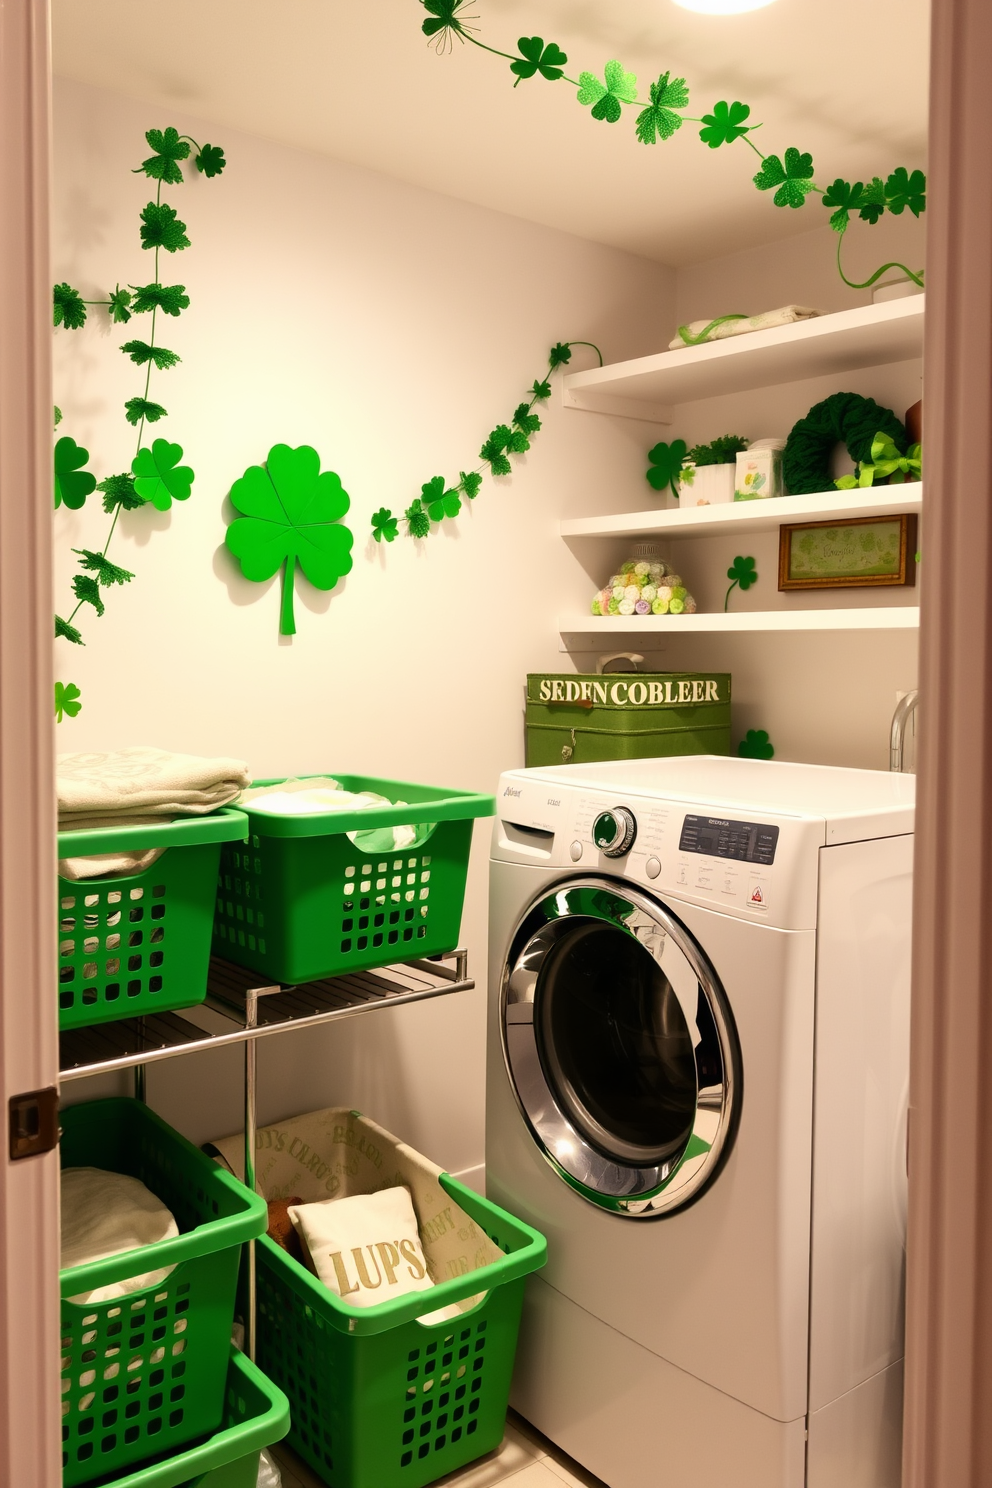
(722, 7)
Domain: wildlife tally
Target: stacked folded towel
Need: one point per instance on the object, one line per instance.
(741, 325)
(131, 787)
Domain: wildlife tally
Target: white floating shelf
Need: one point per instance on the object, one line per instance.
(648, 387)
(586, 632)
(751, 516)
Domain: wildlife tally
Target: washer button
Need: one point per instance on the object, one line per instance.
(652, 867)
(575, 851)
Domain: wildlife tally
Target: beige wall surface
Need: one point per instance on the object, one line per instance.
(392, 328)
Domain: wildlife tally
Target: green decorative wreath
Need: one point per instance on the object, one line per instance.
(843, 418)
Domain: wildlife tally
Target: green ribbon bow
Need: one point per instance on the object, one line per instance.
(886, 464)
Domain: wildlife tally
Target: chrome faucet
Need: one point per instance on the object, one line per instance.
(897, 735)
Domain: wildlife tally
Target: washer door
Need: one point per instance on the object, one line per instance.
(621, 1048)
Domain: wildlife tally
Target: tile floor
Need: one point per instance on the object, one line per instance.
(525, 1458)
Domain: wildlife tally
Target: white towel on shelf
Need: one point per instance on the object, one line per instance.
(116, 786)
(104, 1214)
(109, 865)
(787, 315)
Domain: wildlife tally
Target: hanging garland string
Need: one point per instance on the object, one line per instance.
(156, 477)
(662, 114)
(439, 501)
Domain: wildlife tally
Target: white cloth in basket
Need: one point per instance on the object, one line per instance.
(104, 1214)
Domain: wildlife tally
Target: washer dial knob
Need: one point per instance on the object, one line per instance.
(614, 832)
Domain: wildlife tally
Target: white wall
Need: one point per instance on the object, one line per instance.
(391, 328)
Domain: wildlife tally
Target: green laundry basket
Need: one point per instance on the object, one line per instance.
(144, 1374)
(256, 1414)
(140, 943)
(378, 1399)
(302, 901)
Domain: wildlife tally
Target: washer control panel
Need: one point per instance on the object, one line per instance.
(718, 837)
(614, 832)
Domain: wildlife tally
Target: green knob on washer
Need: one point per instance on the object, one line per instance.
(606, 830)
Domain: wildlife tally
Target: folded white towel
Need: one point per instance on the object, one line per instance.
(109, 865)
(141, 782)
(104, 1214)
(787, 315)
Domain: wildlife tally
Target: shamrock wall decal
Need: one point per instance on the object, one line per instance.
(72, 483)
(756, 745)
(725, 124)
(666, 465)
(536, 57)
(742, 571)
(158, 475)
(291, 513)
(67, 703)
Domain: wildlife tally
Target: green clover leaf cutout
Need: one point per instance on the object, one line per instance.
(210, 160)
(756, 745)
(470, 483)
(903, 190)
(384, 525)
(72, 483)
(743, 572)
(666, 465)
(443, 21)
(119, 306)
(536, 57)
(169, 298)
(169, 150)
(873, 201)
(658, 121)
(559, 356)
(136, 409)
(845, 198)
(161, 228)
(608, 98)
(418, 521)
(291, 513)
(725, 124)
(68, 308)
(793, 179)
(67, 696)
(438, 502)
(158, 475)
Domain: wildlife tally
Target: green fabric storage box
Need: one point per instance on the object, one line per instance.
(576, 718)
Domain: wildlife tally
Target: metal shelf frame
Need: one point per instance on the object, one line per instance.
(257, 1012)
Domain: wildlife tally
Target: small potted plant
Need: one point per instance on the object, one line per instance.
(709, 471)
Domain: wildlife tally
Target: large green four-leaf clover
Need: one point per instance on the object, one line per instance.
(608, 98)
(793, 179)
(72, 483)
(291, 513)
(658, 121)
(158, 475)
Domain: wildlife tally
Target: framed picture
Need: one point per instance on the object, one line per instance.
(855, 553)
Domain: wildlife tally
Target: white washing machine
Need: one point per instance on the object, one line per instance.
(697, 1086)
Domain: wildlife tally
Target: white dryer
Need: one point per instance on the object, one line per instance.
(697, 1084)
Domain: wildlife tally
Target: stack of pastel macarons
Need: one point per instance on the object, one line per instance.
(644, 589)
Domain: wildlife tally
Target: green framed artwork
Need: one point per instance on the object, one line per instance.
(860, 552)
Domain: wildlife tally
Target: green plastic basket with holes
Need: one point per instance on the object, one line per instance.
(378, 1399)
(144, 1374)
(320, 895)
(256, 1414)
(140, 943)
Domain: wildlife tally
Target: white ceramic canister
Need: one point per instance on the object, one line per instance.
(758, 472)
(707, 485)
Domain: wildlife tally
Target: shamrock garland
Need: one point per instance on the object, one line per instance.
(155, 477)
(790, 177)
(439, 501)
